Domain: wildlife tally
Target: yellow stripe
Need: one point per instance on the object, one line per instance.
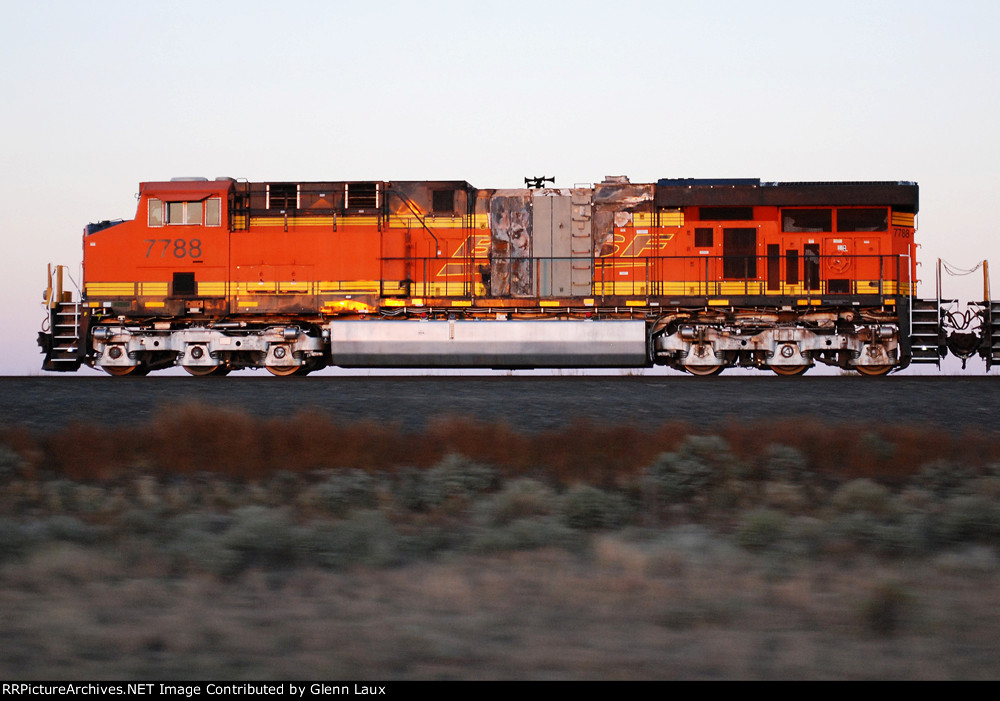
(548, 303)
(313, 221)
(153, 289)
(250, 288)
(397, 221)
(155, 305)
(635, 303)
(110, 288)
(667, 217)
(461, 303)
(212, 288)
(348, 286)
(904, 219)
(630, 289)
(718, 302)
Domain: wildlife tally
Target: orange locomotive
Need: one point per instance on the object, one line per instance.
(698, 275)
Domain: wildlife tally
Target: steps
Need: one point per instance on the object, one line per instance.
(927, 343)
(65, 349)
(990, 349)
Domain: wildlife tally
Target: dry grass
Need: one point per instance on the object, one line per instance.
(664, 610)
(217, 545)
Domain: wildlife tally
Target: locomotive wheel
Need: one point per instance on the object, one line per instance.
(283, 371)
(207, 371)
(126, 370)
(704, 370)
(873, 370)
(790, 370)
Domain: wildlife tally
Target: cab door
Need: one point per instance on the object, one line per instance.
(838, 264)
(791, 264)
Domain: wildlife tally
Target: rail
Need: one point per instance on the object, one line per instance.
(660, 276)
(55, 292)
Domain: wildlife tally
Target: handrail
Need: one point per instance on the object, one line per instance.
(663, 276)
(55, 289)
(409, 205)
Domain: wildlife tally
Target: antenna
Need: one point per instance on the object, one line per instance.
(539, 182)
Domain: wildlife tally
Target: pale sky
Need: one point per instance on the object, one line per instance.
(99, 96)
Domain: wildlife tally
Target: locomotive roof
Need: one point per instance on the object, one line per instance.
(683, 192)
(186, 188)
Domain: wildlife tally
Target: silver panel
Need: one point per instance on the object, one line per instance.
(582, 243)
(551, 237)
(488, 344)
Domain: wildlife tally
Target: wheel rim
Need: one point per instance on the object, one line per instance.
(285, 371)
(125, 370)
(207, 370)
(789, 370)
(704, 370)
(873, 370)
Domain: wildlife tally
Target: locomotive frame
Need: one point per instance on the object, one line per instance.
(697, 275)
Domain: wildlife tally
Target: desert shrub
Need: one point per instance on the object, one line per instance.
(974, 560)
(869, 515)
(876, 448)
(228, 544)
(519, 499)
(526, 534)
(761, 529)
(454, 479)
(943, 477)
(16, 540)
(139, 521)
(805, 535)
(67, 527)
(786, 497)
(58, 494)
(10, 462)
(691, 469)
(282, 487)
(207, 552)
(430, 540)
(590, 509)
(194, 540)
(988, 486)
(261, 536)
(783, 463)
(458, 477)
(862, 495)
(365, 537)
(522, 516)
(968, 517)
(901, 534)
(342, 491)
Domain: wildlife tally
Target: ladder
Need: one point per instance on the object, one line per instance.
(990, 349)
(927, 342)
(63, 345)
